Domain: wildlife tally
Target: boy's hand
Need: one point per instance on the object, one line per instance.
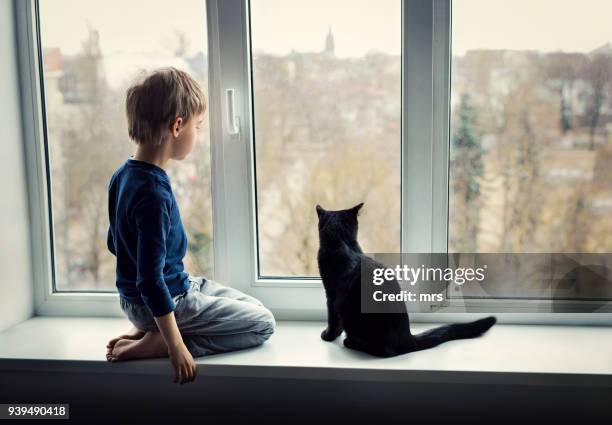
(180, 357)
(184, 366)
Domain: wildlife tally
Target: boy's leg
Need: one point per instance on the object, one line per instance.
(211, 287)
(151, 345)
(133, 334)
(214, 324)
(204, 345)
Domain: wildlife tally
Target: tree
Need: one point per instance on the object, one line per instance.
(322, 136)
(466, 169)
(562, 70)
(530, 128)
(598, 73)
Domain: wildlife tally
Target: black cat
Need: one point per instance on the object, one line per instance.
(380, 334)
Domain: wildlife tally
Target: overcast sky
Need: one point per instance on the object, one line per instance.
(358, 25)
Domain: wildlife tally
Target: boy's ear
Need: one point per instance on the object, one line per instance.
(176, 126)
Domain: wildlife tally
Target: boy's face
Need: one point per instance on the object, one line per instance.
(185, 135)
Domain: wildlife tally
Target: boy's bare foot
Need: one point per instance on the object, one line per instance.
(151, 345)
(133, 333)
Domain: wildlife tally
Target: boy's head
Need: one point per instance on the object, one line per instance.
(164, 105)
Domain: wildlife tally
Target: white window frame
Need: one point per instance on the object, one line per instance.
(231, 69)
(425, 150)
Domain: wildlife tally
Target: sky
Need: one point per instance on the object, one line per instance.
(278, 26)
(544, 25)
(137, 25)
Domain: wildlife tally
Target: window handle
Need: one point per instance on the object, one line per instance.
(233, 121)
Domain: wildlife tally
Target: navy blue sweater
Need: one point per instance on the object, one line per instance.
(146, 235)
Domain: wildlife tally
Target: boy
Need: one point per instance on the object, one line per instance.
(174, 314)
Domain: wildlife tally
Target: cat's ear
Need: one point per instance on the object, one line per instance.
(320, 210)
(356, 208)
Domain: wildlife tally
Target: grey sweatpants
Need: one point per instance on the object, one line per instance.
(212, 318)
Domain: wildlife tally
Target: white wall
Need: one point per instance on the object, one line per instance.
(16, 294)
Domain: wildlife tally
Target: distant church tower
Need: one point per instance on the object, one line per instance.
(329, 43)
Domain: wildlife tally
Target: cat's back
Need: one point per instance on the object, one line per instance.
(337, 262)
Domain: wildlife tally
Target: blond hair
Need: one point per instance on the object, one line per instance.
(157, 99)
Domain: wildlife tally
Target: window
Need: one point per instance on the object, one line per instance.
(531, 115)
(327, 121)
(90, 54)
(333, 103)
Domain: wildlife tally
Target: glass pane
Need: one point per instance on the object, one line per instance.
(327, 100)
(531, 115)
(91, 52)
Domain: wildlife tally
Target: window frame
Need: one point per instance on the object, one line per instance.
(424, 149)
(423, 218)
(46, 301)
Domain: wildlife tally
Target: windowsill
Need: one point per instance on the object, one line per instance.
(508, 354)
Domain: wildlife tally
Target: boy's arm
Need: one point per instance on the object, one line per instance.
(110, 243)
(182, 360)
(152, 219)
(169, 330)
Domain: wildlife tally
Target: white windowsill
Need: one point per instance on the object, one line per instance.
(508, 354)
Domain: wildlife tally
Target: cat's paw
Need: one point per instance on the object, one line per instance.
(348, 343)
(328, 336)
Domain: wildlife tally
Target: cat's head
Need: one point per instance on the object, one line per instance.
(340, 225)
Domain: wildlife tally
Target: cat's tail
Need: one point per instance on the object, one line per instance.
(437, 336)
